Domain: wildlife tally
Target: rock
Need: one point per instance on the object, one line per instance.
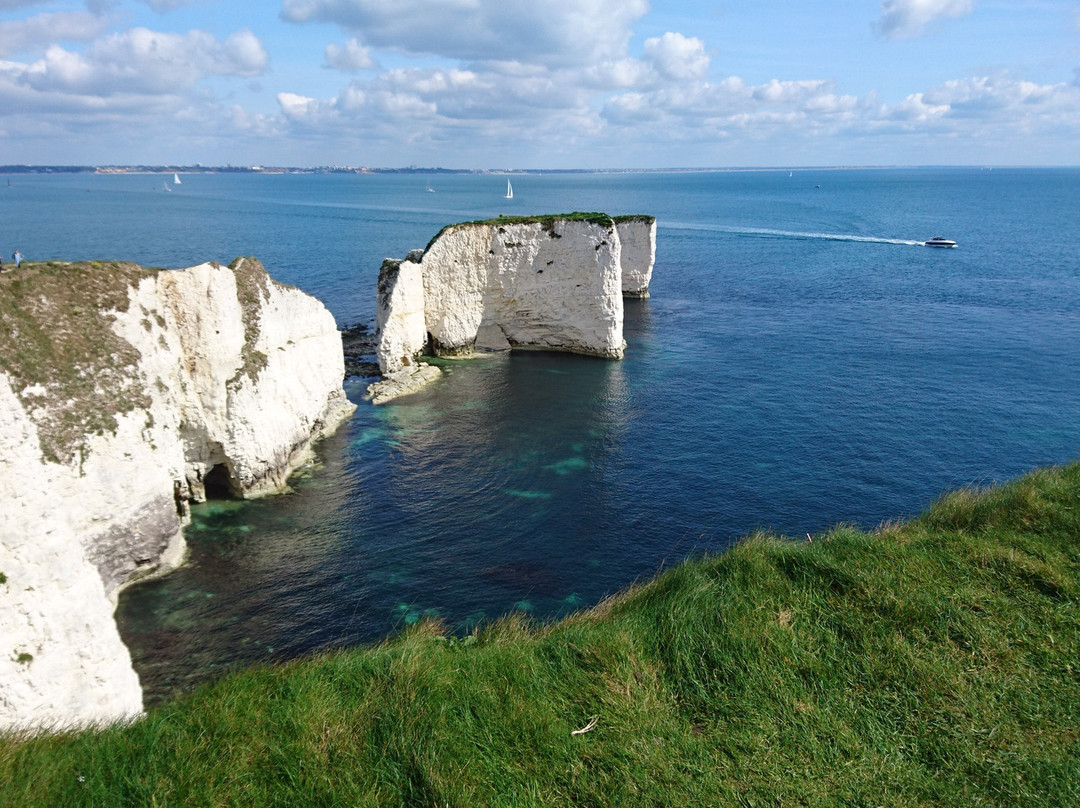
(402, 382)
(637, 235)
(548, 283)
(358, 344)
(123, 391)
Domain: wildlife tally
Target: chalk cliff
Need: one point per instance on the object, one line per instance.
(540, 283)
(124, 392)
(637, 237)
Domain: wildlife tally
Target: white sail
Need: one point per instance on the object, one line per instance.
(176, 179)
(509, 191)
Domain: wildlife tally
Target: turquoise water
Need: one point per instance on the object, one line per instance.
(802, 362)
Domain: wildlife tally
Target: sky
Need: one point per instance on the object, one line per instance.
(543, 84)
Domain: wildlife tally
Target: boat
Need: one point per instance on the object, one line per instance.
(429, 189)
(939, 241)
(509, 191)
(176, 179)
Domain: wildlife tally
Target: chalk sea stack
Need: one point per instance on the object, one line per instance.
(514, 283)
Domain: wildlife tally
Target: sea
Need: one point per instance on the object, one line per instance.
(803, 362)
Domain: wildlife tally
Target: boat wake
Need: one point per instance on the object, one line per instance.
(763, 232)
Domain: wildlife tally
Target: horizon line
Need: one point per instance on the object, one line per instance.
(106, 168)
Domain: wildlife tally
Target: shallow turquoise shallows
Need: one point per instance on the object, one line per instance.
(803, 361)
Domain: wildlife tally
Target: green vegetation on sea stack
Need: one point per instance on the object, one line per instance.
(547, 222)
(935, 662)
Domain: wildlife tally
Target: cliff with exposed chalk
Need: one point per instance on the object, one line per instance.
(513, 283)
(124, 394)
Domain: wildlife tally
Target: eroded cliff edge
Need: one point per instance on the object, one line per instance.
(538, 283)
(123, 391)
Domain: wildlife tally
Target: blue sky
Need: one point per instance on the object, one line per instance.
(552, 84)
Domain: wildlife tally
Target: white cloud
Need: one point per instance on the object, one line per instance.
(556, 32)
(148, 62)
(301, 109)
(415, 96)
(43, 29)
(350, 57)
(910, 18)
(915, 109)
(989, 109)
(677, 57)
(618, 74)
(1003, 101)
(732, 103)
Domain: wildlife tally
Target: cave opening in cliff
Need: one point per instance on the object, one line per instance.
(218, 484)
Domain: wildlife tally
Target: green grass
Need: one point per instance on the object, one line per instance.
(547, 222)
(69, 368)
(931, 663)
(73, 373)
(634, 217)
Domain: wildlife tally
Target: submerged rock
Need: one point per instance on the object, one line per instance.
(408, 380)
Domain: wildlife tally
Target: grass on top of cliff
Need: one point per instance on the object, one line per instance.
(546, 221)
(931, 663)
(67, 365)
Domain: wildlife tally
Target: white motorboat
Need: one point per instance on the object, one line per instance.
(939, 241)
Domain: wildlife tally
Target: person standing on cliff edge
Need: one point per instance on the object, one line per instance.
(17, 258)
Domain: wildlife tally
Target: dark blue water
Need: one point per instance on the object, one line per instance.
(800, 363)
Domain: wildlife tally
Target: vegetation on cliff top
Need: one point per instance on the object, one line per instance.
(547, 222)
(72, 372)
(935, 662)
(67, 365)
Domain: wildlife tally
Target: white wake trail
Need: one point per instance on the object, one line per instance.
(770, 233)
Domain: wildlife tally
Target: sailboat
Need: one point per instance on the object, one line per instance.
(176, 179)
(509, 191)
(429, 189)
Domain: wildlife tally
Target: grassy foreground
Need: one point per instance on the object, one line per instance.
(935, 662)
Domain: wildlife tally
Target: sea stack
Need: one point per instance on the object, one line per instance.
(551, 283)
(125, 393)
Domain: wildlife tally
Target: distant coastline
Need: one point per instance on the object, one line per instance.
(258, 169)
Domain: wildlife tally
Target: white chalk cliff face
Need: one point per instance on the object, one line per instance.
(545, 283)
(121, 391)
(637, 235)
